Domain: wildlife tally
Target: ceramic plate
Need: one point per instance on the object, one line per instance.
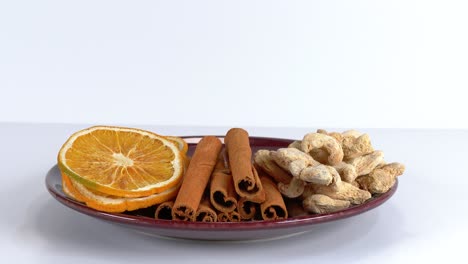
(143, 220)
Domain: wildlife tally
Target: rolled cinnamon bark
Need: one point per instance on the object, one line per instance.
(223, 195)
(164, 211)
(247, 209)
(229, 217)
(273, 207)
(295, 208)
(246, 181)
(205, 212)
(196, 178)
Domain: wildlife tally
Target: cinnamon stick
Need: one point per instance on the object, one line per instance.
(247, 209)
(164, 211)
(205, 212)
(229, 217)
(246, 181)
(295, 208)
(223, 195)
(273, 207)
(196, 178)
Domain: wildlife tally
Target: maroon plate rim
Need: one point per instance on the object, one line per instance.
(53, 185)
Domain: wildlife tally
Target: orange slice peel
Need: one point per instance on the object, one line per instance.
(123, 162)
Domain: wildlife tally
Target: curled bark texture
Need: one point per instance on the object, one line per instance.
(314, 141)
(273, 208)
(247, 209)
(229, 217)
(196, 179)
(295, 208)
(164, 211)
(205, 212)
(246, 180)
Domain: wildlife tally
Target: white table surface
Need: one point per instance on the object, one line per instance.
(424, 221)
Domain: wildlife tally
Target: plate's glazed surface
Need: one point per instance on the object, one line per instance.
(142, 220)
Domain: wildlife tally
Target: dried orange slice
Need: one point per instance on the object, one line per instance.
(123, 162)
(112, 204)
(181, 143)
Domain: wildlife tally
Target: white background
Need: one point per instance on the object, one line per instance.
(235, 63)
(182, 67)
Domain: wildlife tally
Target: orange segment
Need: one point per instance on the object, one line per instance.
(183, 146)
(124, 162)
(113, 204)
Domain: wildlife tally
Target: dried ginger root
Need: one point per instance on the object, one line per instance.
(320, 174)
(351, 133)
(284, 156)
(263, 159)
(353, 143)
(321, 204)
(293, 189)
(367, 163)
(347, 171)
(342, 191)
(314, 141)
(295, 144)
(381, 179)
(331, 171)
(354, 147)
(303, 166)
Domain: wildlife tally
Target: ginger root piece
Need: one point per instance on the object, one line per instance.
(304, 167)
(263, 159)
(336, 135)
(319, 155)
(351, 133)
(341, 190)
(320, 174)
(322, 131)
(354, 147)
(313, 141)
(284, 156)
(381, 179)
(293, 189)
(296, 144)
(367, 163)
(322, 204)
(347, 171)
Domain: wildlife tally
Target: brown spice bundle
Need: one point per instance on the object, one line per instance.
(273, 208)
(205, 212)
(229, 217)
(164, 211)
(196, 178)
(247, 209)
(223, 195)
(246, 181)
